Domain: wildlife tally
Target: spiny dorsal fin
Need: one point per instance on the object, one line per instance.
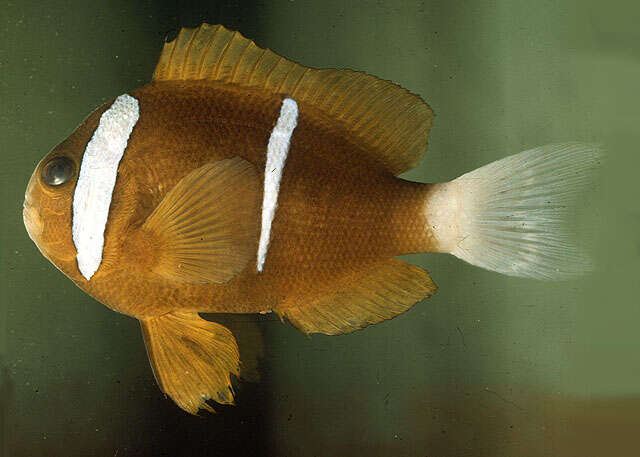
(365, 297)
(206, 227)
(192, 359)
(390, 121)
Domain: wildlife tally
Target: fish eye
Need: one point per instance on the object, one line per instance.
(58, 171)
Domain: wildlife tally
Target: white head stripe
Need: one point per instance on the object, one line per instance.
(97, 179)
(277, 151)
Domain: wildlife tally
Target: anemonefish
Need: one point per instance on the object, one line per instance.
(238, 181)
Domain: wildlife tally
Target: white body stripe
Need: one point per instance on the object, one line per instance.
(97, 179)
(277, 151)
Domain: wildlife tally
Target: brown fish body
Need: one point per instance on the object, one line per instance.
(336, 211)
(238, 182)
(241, 182)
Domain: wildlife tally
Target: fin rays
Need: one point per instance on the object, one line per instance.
(206, 226)
(192, 359)
(391, 122)
(515, 210)
(375, 293)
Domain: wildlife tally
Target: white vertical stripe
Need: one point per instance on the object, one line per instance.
(277, 151)
(97, 179)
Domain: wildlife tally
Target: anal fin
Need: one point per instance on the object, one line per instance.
(192, 359)
(365, 296)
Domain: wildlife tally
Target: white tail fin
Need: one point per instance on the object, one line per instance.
(510, 215)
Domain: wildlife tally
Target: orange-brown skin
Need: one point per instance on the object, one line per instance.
(338, 209)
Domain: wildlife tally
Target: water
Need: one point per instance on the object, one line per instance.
(490, 366)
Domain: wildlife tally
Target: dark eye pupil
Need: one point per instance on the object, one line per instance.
(58, 171)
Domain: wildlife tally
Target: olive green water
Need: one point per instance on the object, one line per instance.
(490, 366)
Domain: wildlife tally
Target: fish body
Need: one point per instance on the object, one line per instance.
(239, 182)
(336, 210)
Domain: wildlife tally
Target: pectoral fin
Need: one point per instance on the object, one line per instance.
(192, 359)
(205, 230)
(364, 296)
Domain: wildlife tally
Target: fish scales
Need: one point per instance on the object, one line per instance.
(335, 211)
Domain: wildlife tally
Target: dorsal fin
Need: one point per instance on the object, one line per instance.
(389, 120)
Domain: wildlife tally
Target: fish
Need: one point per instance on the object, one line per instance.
(238, 181)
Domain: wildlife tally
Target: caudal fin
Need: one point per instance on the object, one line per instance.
(510, 215)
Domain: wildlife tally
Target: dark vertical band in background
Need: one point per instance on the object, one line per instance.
(60, 60)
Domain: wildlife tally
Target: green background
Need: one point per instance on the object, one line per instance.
(490, 366)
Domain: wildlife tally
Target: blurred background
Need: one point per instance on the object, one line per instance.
(490, 366)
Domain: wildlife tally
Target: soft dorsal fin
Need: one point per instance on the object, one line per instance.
(389, 120)
(205, 230)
